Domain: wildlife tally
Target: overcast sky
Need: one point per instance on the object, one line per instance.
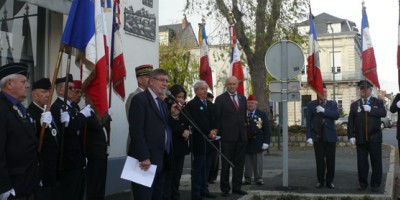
(383, 18)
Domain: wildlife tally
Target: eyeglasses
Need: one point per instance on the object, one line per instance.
(161, 79)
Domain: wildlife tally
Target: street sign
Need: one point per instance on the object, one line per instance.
(277, 86)
(284, 52)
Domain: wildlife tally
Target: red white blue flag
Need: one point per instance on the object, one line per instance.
(236, 65)
(205, 69)
(314, 77)
(369, 68)
(118, 63)
(84, 31)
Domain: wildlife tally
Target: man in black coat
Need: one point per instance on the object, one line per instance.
(18, 141)
(364, 130)
(202, 114)
(231, 109)
(70, 122)
(259, 133)
(395, 107)
(48, 156)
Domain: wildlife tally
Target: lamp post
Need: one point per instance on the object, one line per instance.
(333, 62)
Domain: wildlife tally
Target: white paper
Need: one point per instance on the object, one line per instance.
(132, 172)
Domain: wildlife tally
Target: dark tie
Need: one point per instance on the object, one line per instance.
(250, 115)
(168, 131)
(22, 109)
(234, 102)
(204, 102)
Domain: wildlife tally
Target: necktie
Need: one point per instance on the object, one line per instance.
(250, 115)
(167, 130)
(22, 109)
(204, 102)
(234, 102)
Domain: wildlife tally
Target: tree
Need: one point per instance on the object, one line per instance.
(182, 67)
(259, 24)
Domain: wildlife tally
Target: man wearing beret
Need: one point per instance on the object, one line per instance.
(18, 142)
(364, 130)
(48, 156)
(70, 122)
(258, 133)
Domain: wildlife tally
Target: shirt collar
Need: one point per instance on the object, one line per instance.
(10, 98)
(68, 101)
(153, 94)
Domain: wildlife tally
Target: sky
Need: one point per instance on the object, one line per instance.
(383, 19)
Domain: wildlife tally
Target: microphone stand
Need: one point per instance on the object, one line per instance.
(191, 121)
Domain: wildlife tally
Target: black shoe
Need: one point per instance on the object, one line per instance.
(225, 194)
(319, 185)
(375, 189)
(361, 188)
(330, 186)
(239, 192)
(260, 183)
(246, 183)
(209, 195)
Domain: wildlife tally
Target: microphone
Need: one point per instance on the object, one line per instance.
(169, 94)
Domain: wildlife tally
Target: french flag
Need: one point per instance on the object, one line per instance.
(314, 77)
(205, 69)
(368, 56)
(236, 65)
(84, 31)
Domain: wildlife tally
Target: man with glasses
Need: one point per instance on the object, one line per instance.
(18, 141)
(364, 130)
(70, 122)
(150, 133)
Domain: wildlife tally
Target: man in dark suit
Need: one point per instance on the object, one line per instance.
(364, 130)
(231, 109)
(321, 131)
(395, 107)
(150, 133)
(48, 156)
(18, 141)
(259, 133)
(202, 114)
(71, 122)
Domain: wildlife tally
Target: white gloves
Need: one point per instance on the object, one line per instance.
(398, 104)
(86, 111)
(65, 118)
(352, 141)
(367, 108)
(309, 141)
(5, 195)
(320, 109)
(46, 118)
(264, 146)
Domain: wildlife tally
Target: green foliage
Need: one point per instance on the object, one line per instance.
(341, 131)
(297, 130)
(182, 66)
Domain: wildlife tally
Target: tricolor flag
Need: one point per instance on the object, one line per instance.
(84, 31)
(368, 56)
(314, 77)
(236, 65)
(118, 63)
(205, 69)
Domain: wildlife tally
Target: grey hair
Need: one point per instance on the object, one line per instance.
(198, 83)
(231, 77)
(5, 79)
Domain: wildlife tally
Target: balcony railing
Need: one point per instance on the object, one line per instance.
(342, 76)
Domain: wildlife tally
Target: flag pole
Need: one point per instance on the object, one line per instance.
(59, 58)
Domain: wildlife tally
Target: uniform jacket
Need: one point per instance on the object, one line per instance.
(18, 151)
(230, 123)
(257, 134)
(327, 121)
(48, 157)
(204, 117)
(73, 157)
(129, 101)
(147, 130)
(393, 109)
(357, 121)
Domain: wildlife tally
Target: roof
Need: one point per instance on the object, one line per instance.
(323, 19)
(185, 36)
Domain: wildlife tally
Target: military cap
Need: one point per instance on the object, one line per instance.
(13, 68)
(143, 70)
(364, 83)
(251, 98)
(64, 79)
(77, 84)
(43, 83)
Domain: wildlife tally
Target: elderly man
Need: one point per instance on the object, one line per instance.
(258, 133)
(70, 121)
(18, 141)
(50, 145)
(364, 130)
(202, 114)
(231, 109)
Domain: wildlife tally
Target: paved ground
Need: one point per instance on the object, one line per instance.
(302, 177)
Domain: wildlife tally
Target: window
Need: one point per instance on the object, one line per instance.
(336, 62)
(336, 27)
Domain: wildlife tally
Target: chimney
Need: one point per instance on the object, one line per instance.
(184, 22)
